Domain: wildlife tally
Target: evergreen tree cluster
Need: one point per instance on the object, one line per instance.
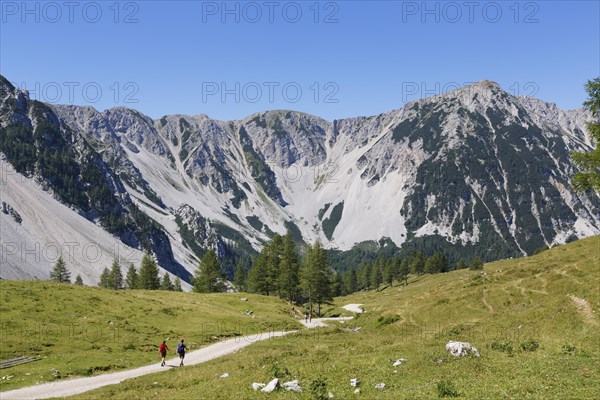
(146, 278)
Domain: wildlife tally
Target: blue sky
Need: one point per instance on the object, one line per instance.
(332, 58)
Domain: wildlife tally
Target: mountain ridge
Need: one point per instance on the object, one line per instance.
(415, 175)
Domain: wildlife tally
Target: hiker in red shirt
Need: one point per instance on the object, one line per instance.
(163, 352)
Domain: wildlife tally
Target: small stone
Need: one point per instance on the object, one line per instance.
(330, 395)
(292, 385)
(398, 362)
(380, 386)
(155, 383)
(225, 375)
(271, 386)
(256, 385)
(357, 390)
(354, 382)
(244, 299)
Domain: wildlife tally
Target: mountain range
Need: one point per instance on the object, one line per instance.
(472, 172)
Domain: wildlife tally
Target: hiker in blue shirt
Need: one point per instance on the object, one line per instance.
(181, 348)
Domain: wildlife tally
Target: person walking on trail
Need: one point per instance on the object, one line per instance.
(181, 348)
(306, 317)
(162, 349)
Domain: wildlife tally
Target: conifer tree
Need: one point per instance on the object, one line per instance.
(131, 280)
(148, 275)
(116, 276)
(257, 281)
(315, 276)
(476, 264)
(404, 270)
(177, 286)
(208, 277)
(105, 279)
(289, 268)
(78, 280)
(165, 283)
(60, 273)
(239, 277)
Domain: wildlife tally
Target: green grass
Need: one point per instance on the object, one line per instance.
(534, 341)
(82, 331)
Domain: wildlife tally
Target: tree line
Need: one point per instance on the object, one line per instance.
(146, 278)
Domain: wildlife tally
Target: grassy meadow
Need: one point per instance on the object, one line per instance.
(534, 320)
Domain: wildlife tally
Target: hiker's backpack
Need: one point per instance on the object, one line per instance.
(180, 348)
(163, 348)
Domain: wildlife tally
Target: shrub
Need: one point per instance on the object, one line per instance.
(530, 345)
(568, 349)
(446, 389)
(381, 321)
(318, 389)
(505, 347)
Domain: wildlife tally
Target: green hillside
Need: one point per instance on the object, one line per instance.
(81, 331)
(534, 321)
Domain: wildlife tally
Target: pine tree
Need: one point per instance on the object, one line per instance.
(239, 277)
(589, 162)
(376, 275)
(289, 268)
(404, 270)
(116, 276)
(476, 264)
(208, 277)
(338, 288)
(273, 260)
(148, 275)
(78, 280)
(105, 279)
(364, 276)
(177, 286)
(165, 283)
(60, 273)
(131, 280)
(461, 264)
(315, 276)
(390, 271)
(417, 265)
(256, 281)
(351, 281)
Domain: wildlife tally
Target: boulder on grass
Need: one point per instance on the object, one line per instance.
(292, 385)
(271, 386)
(461, 349)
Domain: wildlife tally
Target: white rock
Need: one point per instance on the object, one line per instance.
(271, 386)
(225, 375)
(357, 390)
(461, 349)
(256, 385)
(244, 299)
(398, 362)
(354, 382)
(330, 395)
(292, 385)
(380, 385)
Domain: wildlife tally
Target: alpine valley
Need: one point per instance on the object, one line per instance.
(472, 172)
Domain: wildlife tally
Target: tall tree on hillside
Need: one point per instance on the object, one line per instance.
(476, 264)
(60, 273)
(148, 275)
(208, 277)
(239, 277)
(131, 279)
(116, 276)
(351, 281)
(404, 270)
(364, 275)
(589, 162)
(417, 265)
(390, 271)
(315, 276)
(165, 283)
(289, 268)
(177, 286)
(338, 288)
(436, 263)
(257, 281)
(273, 260)
(104, 279)
(461, 264)
(376, 275)
(78, 280)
